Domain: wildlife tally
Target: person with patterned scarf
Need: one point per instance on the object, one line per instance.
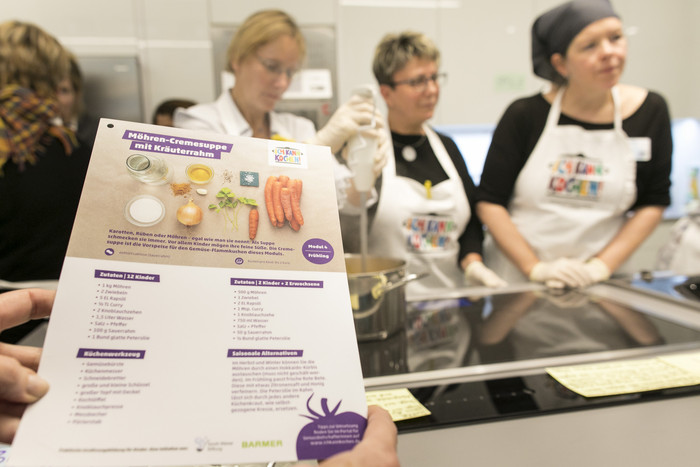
(42, 168)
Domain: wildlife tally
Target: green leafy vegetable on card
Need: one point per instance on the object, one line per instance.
(230, 204)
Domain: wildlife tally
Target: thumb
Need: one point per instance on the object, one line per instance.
(18, 383)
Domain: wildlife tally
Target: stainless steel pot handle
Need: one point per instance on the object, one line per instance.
(369, 312)
(411, 277)
(380, 289)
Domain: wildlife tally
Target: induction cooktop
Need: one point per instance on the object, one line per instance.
(514, 329)
(514, 397)
(483, 358)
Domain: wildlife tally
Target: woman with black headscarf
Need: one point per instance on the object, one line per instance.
(577, 177)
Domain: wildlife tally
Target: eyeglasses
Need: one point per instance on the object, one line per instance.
(275, 68)
(420, 83)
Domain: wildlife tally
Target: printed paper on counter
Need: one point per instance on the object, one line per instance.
(175, 344)
(400, 403)
(622, 377)
(689, 361)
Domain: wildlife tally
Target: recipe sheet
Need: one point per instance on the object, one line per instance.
(629, 376)
(203, 313)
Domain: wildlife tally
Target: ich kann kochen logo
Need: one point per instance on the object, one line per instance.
(288, 155)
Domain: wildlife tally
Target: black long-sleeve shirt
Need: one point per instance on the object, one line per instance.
(522, 125)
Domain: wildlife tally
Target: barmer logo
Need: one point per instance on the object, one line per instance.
(274, 443)
(287, 155)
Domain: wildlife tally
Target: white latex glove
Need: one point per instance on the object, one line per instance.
(561, 273)
(597, 269)
(383, 150)
(477, 272)
(345, 122)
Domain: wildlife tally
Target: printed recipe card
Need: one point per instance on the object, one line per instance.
(203, 314)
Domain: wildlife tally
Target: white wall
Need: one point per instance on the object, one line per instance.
(169, 37)
(486, 49)
(485, 45)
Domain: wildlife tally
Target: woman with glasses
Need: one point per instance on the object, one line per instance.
(425, 209)
(577, 177)
(264, 54)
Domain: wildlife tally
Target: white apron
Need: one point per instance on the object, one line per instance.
(571, 196)
(422, 231)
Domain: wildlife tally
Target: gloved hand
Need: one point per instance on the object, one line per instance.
(345, 122)
(477, 272)
(561, 273)
(383, 150)
(597, 269)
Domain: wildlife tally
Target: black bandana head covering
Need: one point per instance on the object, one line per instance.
(554, 30)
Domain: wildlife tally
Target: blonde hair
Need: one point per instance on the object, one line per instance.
(394, 51)
(259, 29)
(31, 58)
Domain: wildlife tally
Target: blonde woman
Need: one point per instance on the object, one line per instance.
(264, 54)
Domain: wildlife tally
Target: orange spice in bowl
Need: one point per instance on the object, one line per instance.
(180, 189)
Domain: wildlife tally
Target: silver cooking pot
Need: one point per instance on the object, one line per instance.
(377, 295)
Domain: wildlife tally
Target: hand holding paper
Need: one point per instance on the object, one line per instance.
(378, 446)
(19, 383)
(252, 363)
